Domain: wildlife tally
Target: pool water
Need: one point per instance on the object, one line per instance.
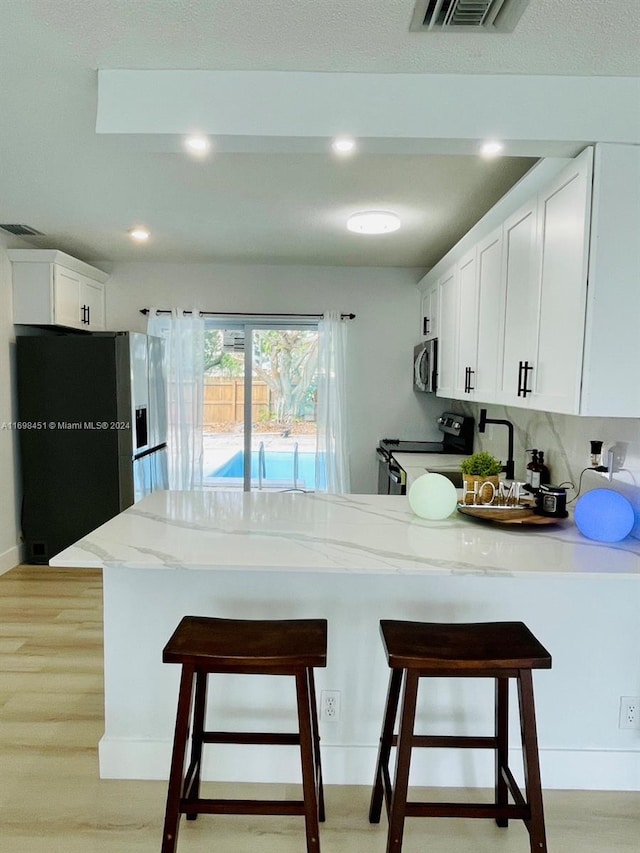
(277, 466)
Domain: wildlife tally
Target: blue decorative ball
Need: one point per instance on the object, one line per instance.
(604, 515)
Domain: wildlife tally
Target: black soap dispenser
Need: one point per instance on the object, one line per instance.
(532, 468)
(545, 476)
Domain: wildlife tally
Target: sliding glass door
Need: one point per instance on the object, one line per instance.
(260, 406)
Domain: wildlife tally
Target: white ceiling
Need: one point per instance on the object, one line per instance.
(85, 190)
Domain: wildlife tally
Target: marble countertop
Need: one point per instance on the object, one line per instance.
(360, 534)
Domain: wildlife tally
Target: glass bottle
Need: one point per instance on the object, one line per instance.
(531, 467)
(545, 476)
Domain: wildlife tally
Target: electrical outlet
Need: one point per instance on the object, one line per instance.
(629, 712)
(330, 705)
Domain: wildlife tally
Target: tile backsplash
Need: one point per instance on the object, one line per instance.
(566, 442)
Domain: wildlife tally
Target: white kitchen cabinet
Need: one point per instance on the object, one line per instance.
(92, 300)
(610, 384)
(557, 296)
(564, 217)
(476, 332)
(51, 288)
(429, 313)
(490, 298)
(519, 315)
(447, 332)
(545, 286)
(467, 326)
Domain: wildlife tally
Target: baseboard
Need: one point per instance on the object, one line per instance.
(565, 769)
(9, 559)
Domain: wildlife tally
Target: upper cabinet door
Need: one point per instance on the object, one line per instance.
(66, 298)
(429, 313)
(564, 214)
(490, 299)
(520, 271)
(467, 338)
(447, 332)
(92, 307)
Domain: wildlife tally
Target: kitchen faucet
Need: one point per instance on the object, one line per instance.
(509, 468)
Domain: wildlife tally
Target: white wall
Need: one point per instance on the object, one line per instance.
(9, 494)
(381, 338)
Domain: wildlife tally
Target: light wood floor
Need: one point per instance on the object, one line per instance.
(51, 799)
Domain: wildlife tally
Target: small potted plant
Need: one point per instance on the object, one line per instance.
(477, 470)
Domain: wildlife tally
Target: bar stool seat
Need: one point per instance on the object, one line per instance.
(208, 645)
(499, 650)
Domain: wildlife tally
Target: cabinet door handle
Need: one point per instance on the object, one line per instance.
(88, 315)
(83, 318)
(469, 387)
(425, 325)
(525, 372)
(523, 377)
(520, 368)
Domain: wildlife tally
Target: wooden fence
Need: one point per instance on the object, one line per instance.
(224, 402)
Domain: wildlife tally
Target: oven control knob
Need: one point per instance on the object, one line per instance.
(456, 425)
(440, 420)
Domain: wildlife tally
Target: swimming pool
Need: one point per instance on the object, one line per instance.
(277, 466)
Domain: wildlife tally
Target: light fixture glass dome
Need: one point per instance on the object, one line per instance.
(139, 234)
(492, 148)
(344, 145)
(373, 222)
(197, 144)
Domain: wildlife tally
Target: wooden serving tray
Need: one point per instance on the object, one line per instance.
(507, 515)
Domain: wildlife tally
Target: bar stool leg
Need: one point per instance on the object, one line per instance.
(502, 745)
(192, 790)
(183, 717)
(532, 780)
(386, 739)
(316, 744)
(403, 762)
(307, 757)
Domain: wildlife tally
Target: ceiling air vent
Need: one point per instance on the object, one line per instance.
(494, 16)
(22, 231)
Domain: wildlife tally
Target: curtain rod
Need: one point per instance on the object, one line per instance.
(249, 314)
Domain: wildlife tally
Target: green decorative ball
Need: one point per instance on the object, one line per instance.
(433, 496)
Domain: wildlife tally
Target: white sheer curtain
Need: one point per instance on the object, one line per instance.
(184, 367)
(332, 458)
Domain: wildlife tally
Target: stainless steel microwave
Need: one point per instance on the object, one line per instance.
(425, 366)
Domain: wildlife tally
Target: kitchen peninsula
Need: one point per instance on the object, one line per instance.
(355, 559)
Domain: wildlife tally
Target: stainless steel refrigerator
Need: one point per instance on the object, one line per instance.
(92, 410)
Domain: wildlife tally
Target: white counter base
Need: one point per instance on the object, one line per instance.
(360, 559)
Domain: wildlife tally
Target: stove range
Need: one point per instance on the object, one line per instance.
(457, 438)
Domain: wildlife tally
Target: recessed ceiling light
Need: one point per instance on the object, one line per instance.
(197, 144)
(139, 234)
(344, 145)
(373, 222)
(491, 148)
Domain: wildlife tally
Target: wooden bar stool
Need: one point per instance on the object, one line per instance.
(203, 646)
(499, 650)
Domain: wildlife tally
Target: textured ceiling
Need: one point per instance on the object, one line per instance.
(83, 190)
(575, 37)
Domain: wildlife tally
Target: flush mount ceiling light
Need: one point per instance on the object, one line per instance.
(139, 234)
(491, 148)
(343, 145)
(197, 145)
(373, 222)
